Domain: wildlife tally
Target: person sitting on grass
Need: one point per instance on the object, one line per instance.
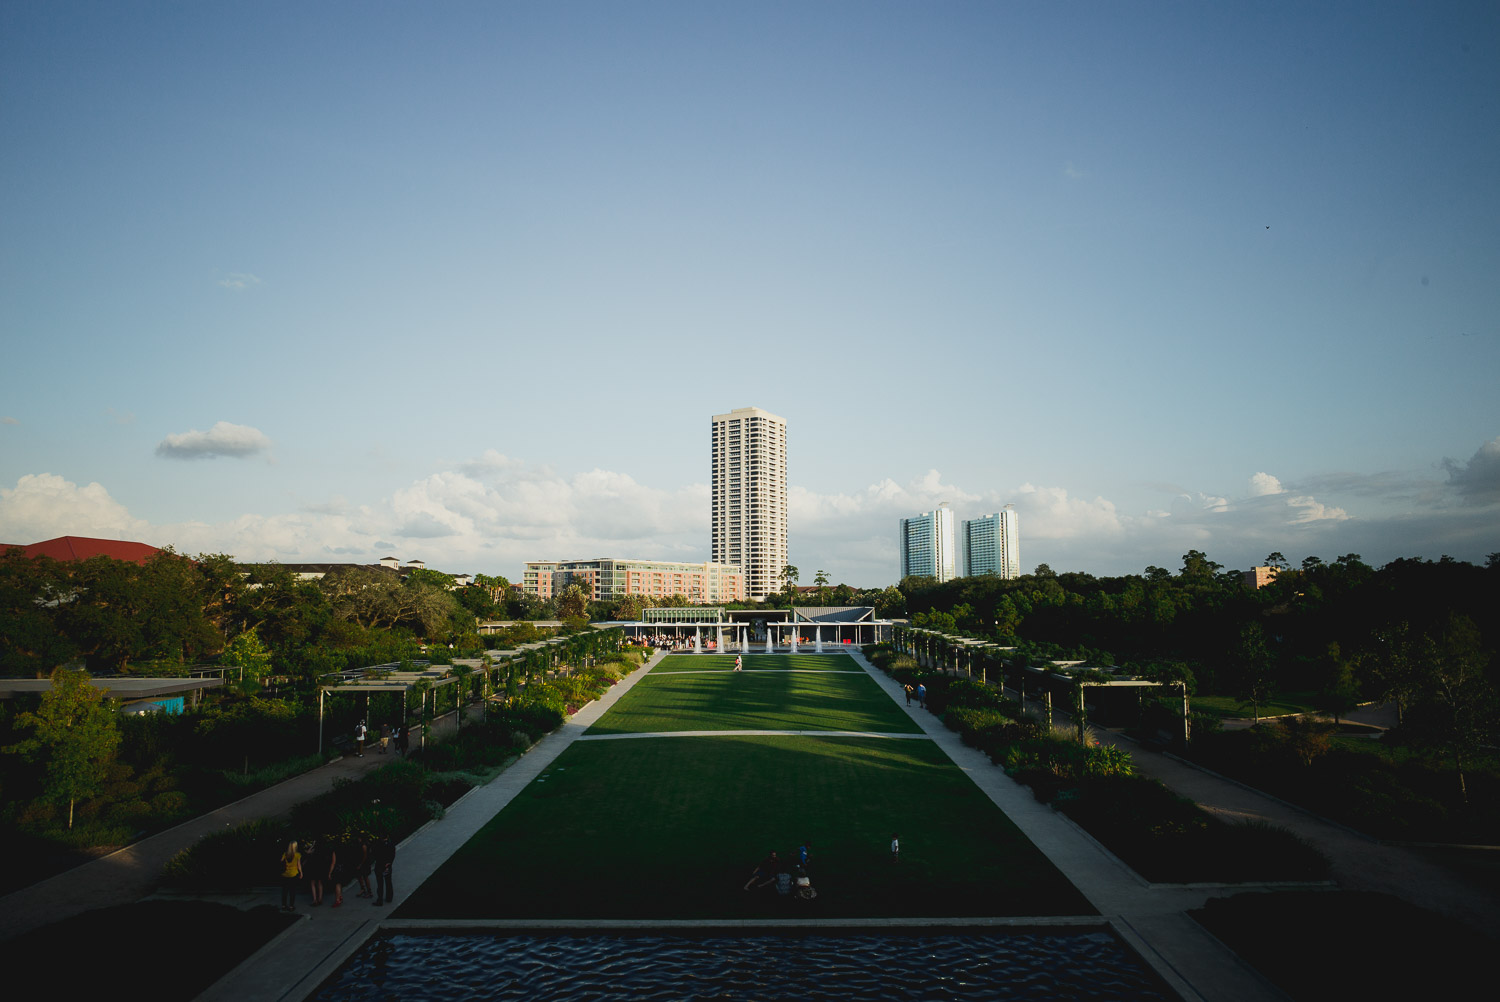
(765, 873)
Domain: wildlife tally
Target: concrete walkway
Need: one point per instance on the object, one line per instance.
(129, 874)
(1359, 863)
(293, 965)
(1153, 919)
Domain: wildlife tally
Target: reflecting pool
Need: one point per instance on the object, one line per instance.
(841, 965)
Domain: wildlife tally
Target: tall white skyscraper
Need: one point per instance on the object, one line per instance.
(992, 544)
(927, 544)
(749, 496)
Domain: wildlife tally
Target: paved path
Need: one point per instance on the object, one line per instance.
(293, 965)
(131, 873)
(1359, 863)
(1154, 920)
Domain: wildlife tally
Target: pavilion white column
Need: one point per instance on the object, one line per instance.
(719, 639)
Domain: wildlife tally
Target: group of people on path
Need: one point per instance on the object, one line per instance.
(391, 736)
(319, 865)
(920, 692)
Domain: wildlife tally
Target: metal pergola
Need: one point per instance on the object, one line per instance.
(947, 651)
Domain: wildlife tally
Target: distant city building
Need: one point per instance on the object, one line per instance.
(992, 544)
(605, 578)
(927, 544)
(1259, 577)
(749, 504)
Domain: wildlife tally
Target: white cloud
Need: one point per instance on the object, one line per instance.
(1073, 173)
(44, 505)
(223, 439)
(8, 420)
(1308, 509)
(1478, 480)
(494, 513)
(239, 281)
(1262, 484)
(1050, 513)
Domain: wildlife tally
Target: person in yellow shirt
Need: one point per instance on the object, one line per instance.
(291, 876)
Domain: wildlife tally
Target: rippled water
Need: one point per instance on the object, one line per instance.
(641, 968)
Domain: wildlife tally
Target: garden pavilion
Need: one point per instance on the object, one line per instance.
(712, 629)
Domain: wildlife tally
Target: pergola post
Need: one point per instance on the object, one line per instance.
(1078, 715)
(1186, 726)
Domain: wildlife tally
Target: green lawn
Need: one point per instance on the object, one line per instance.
(755, 700)
(672, 827)
(1228, 706)
(756, 662)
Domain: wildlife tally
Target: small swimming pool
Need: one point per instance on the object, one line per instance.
(817, 966)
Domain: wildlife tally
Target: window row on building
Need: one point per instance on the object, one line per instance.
(605, 579)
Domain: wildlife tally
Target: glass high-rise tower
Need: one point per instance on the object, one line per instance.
(992, 544)
(927, 544)
(749, 496)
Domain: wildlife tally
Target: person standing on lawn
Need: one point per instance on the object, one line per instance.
(895, 849)
(739, 665)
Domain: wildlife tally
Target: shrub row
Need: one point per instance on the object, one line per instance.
(394, 800)
(1164, 837)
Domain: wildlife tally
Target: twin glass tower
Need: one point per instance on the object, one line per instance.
(749, 496)
(989, 544)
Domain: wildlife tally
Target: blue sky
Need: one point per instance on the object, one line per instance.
(465, 282)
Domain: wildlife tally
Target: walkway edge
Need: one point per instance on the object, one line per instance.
(292, 969)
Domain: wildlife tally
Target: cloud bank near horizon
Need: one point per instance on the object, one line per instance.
(494, 513)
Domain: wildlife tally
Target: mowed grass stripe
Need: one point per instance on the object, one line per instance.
(755, 662)
(755, 701)
(671, 828)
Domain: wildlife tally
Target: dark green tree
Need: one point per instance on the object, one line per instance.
(1250, 668)
(74, 736)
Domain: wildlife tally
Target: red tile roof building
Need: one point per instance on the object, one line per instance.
(69, 548)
